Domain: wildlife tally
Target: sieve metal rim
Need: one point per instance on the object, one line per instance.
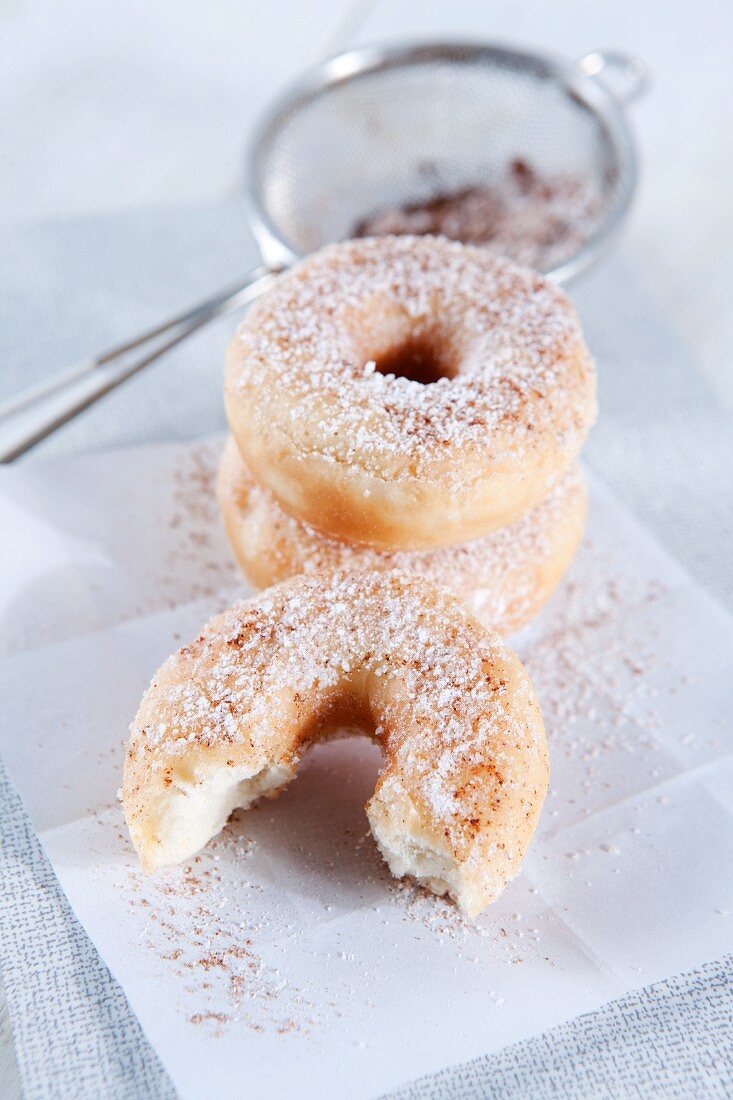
(581, 82)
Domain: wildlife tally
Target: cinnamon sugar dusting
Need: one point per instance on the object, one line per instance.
(509, 341)
(538, 219)
(194, 517)
(207, 938)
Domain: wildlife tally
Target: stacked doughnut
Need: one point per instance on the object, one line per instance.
(410, 403)
(406, 417)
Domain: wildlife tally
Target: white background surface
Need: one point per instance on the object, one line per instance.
(132, 103)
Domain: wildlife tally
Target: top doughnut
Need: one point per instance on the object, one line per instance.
(409, 391)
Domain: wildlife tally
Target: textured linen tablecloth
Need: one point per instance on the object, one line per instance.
(662, 445)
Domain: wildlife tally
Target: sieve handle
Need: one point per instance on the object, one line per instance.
(629, 75)
(38, 411)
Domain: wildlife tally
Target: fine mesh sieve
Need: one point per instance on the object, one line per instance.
(387, 127)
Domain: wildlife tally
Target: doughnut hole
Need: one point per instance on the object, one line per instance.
(420, 357)
(403, 348)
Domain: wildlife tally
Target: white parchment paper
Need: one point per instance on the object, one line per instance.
(284, 956)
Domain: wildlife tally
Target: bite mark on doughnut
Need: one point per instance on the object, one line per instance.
(227, 719)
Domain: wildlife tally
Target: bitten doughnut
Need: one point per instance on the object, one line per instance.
(409, 392)
(504, 577)
(227, 718)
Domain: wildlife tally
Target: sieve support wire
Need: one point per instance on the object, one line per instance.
(30, 416)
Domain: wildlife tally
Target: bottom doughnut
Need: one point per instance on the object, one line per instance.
(504, 578)
(227, 718)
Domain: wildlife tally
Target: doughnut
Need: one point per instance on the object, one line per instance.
(409, 392)
(504, 577)
(227, 718)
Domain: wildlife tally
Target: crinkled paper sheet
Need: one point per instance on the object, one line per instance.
(284, 952)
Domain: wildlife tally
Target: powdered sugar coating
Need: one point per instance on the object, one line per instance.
(304, 388)
(466, 765)
(512, 327)
(504, 577)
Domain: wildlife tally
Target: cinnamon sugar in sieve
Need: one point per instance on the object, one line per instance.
(538, 219)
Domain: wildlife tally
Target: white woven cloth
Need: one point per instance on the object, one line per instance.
(661, 444)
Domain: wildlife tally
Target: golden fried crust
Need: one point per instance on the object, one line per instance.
(380, 458)
(504, 577)
(227, 718)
